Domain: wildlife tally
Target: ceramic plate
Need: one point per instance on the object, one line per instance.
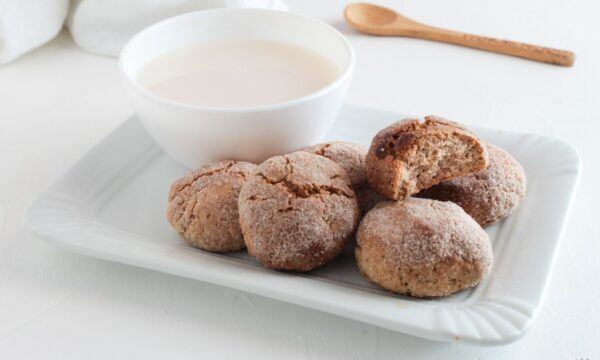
(111, 205)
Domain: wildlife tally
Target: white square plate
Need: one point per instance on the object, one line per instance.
(111, 205)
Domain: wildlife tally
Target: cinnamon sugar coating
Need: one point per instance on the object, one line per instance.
(350, 156)
(297, 211)
(489, 195)
(203, 205)
(422, 248)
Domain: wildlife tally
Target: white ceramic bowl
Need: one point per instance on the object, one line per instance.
(195, 135)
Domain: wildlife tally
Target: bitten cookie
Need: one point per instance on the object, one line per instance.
(488, 195)
(412, 155)
(203, 205)
(297, 211)
(422, 248)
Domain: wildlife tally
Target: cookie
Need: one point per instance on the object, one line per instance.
(203, 206)
(350, 156)
(412, 155)
(422, 248)
(489, 195)
(297, 211)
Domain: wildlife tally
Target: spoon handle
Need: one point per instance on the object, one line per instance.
(527, 51)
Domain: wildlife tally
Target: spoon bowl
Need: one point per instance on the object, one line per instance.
(378, 20)
(367, 14)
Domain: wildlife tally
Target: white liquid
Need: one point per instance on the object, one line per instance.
(237, 74)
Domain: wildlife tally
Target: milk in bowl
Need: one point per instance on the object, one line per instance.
(237, 74)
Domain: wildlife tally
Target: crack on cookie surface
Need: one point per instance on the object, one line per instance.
(202, 206)
(191, 178)
(297, 211)
(306, 190)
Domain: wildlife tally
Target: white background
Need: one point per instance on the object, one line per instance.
(58, 101)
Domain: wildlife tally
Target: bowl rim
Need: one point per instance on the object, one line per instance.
(344, 75)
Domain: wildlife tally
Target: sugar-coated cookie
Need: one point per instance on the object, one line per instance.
(422, 248)
(297, 211)
(203, 205)
(489, 195)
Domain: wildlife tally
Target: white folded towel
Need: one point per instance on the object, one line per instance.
(27, 24)
(99, 26)
(104, 26)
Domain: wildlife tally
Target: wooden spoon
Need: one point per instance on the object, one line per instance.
(377, 20)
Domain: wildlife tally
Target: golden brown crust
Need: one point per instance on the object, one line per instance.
(422, 248)
(411, 155)
(297, 211)
(489, 195)
(203, 205)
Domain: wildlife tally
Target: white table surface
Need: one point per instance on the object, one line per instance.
(58, 101)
